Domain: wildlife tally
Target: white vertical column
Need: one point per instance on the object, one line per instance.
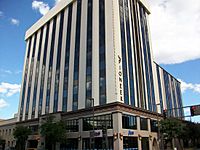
(47, 68)
(163, 88)
(82, 56)
(51, 104)
(156, 88)
(71, 59)
(40, 72)
(117, 128)
(34, 73)
(109, 52)
(95, 52)
(144, 86)
(28, 74)
(132, 34)
(117, 53)
(21, 89)
(62, 62)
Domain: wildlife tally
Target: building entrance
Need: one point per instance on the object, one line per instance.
(130, 143)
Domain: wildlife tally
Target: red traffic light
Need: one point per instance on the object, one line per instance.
(193, 108)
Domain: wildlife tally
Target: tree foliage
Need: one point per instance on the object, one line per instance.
(171, 128)
(182, 130)
(53, 132)
(21, 134)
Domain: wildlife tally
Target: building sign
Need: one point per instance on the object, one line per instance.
(130, 132)
(120, 76)
(96, 133)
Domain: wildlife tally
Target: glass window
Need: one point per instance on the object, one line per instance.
(30, 78)
(100, 122)
(37, 74)
(72, 125)
(70, 144)
(50, 65)
(124, 53)
(67, 54)
(57, 76)
(89, 53)
(154, 125)
(129, 122)
(143, 123)
(130, 143)
(145, 143)
(102, 57)
(76, 55)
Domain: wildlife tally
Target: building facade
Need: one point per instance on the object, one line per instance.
(83, 49)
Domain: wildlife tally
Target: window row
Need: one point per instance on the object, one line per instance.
(130, 122)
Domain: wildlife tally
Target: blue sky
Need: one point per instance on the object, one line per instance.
(175, 34)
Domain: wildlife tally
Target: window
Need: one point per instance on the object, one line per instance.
(159, 87)
(34, 129)
(50, 65)
(43, 71)
(89, 54)
(100, 122)
(30, 78)
(143, 123)
(154, 125)
(72, 125)
(76, 56)
(129, 122)
(57, 76)
(130, 143)
(145, 143)
(67, 54)
(124, 53)
(102, 57)
(37, 74)
(129, 49)
(25, 79)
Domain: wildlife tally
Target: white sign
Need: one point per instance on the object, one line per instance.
(96, 133)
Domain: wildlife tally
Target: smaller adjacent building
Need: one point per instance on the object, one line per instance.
(6, 132)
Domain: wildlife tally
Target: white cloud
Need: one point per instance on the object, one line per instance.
(5, 71)
(1, 13)
(189, 86)
(56, 1)
(175, 30)
(3, 103)
(9, 89)
(42, 7)
(14, 21)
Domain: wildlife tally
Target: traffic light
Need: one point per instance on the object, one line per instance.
(165, 113)
(192, 110)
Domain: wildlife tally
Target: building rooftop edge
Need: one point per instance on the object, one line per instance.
(48, 16)
(56, 9)
(167, 72)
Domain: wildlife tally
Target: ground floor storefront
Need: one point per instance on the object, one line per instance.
(113, 126)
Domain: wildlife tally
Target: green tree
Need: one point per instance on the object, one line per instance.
(21, 134)
(191, 134)
(53, 132)
(171, 128)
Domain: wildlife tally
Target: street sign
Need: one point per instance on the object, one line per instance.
(195, 110)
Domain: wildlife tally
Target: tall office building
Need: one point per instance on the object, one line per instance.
(101, 50)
